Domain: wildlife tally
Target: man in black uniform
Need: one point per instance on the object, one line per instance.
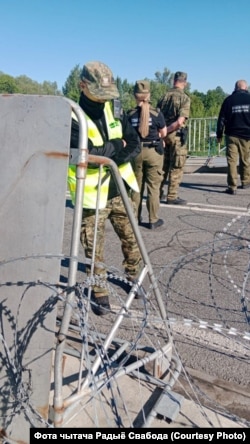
(234, 121)
(148, 165)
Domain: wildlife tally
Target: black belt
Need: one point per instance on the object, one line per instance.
(152, 144)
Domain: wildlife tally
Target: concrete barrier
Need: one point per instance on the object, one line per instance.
(35, 139)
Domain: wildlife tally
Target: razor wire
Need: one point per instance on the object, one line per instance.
(145, 322)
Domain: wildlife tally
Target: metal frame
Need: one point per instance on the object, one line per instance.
(63, 408)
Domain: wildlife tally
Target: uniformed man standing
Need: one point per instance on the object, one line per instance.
(115, 138)
(234, 121)
(175, 106)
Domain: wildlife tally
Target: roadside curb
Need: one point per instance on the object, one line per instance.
(215, 164)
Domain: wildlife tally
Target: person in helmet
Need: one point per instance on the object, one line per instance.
(116, 139)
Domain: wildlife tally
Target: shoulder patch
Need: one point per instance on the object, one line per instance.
(154, 111)
(131, 112)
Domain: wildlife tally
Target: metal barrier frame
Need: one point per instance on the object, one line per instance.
(63, 408)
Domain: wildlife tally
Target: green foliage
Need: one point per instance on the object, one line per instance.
(25, 85)
(127, 101)
(126, 94)
(8, 84)
(213, 101)
(71, 87)
(28, 86)
(165, 77)
(157, 91)
(197, 106)
(50, 88)
(202, 105)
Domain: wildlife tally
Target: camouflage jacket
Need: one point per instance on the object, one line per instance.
(175, 103)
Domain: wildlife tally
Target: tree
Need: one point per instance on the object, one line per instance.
(213, 101)
(71, 87)
(29, 86)
(8, 84)
(126, 94)
(50, 88)
(157, 91)
(197, 105)
(202, 105)
(165, 78)
(119, 86)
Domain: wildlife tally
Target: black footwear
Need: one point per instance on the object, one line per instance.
(230, 191)
(177, 201)
(156, 224)
(140, 221)
(100, 305)
(245, 186)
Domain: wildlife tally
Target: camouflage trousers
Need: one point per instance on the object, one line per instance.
(116, 213)
(175, 157)
(237, 149)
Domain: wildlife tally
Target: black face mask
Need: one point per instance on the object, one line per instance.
(93, 109)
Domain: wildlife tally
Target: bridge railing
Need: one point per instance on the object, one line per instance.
(202, 136)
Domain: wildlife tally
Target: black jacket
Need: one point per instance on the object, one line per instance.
(234, 116)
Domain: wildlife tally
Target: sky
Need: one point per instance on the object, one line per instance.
(45, 39)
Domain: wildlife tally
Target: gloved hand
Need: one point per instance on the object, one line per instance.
(109, 150)
(121, 154)
(106, 150)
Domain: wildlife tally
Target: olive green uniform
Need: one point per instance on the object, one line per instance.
(148, 165)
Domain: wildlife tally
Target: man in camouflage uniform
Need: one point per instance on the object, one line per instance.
(115, 138)
(175, 106)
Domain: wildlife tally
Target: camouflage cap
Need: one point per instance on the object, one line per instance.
(100, 80)
(180, 76)
(142, 87)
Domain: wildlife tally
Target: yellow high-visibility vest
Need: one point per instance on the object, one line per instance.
(92, 177)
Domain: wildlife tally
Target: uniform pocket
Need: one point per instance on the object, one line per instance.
(180, 157)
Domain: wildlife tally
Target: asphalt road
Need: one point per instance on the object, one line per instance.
(200, 257)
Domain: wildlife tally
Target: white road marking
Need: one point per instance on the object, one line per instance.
(211, 208)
